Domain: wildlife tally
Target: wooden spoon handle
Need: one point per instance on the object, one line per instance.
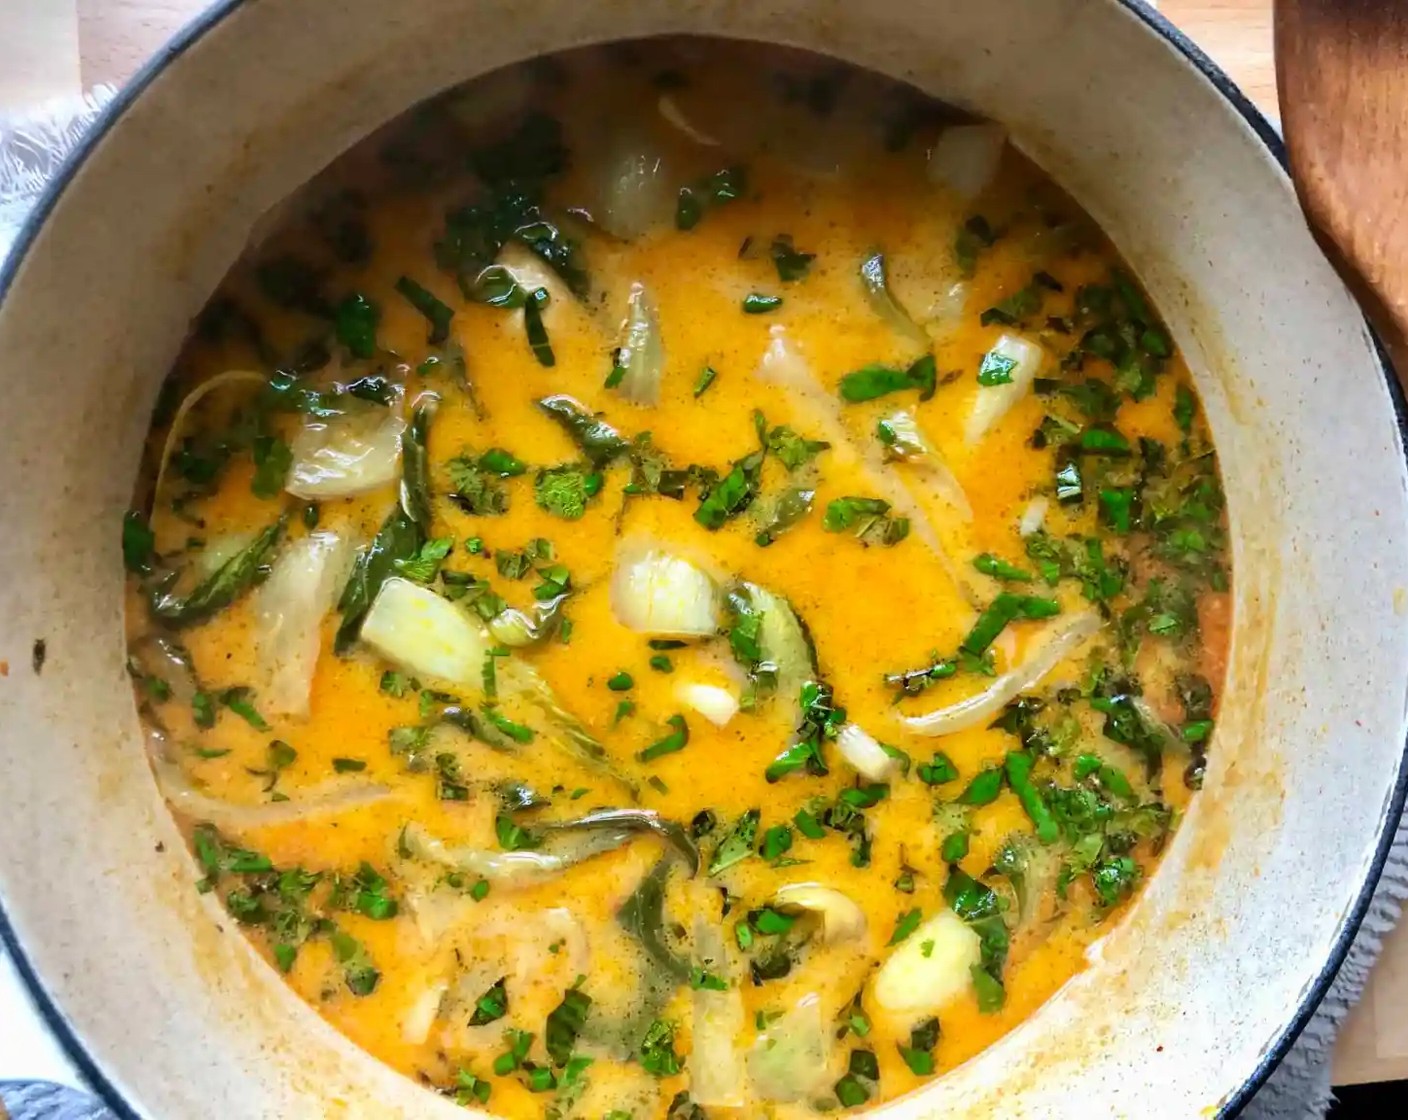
(1342, 75)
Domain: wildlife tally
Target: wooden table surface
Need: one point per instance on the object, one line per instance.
(57, 47)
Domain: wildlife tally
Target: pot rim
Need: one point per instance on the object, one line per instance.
(207, 21)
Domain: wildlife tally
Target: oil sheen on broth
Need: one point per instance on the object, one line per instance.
(678, 579)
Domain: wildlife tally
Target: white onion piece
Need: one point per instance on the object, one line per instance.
(1064, 639)
(993, 402)
(930, 967)
(229, 377)
(511, 868)
(664, 595)
(530, 272)
(841, 918)
(288, 609)
(637, 192)
(788, 1061)
(186, 799)
(421, 1014)
(642, 353)
(672, 113)
(783, 363)
(345, 455)
(965, 158)
(220, 550)
(1034, 516)
(717, 705)
(716, 1076)
(911, 445)
(783, 641)
(428, 635)
(866, 755)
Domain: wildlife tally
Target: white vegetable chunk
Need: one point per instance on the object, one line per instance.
(664, 595)
(866, 755)
(670, 110)
(425, 634)
(346, 455)
(1063, 639)
(716, 1077)
(716, 704)
(636, 188)
(787, 1062)
(642, 353)
(1034, 516)
(289, 608)
(1022, 361)
(421, 1014)
(913, 982)
(841, 918)
(965, 158)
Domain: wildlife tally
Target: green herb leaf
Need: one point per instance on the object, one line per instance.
(983, 788)
(426, 302)
(872, 381)
(1005, 608)
(791, 263)
(756, 303)
(738, 844)
(676, 740)
(491, 1006)
(908, 922)
(355, 321)
(223, 586)
(996, 369)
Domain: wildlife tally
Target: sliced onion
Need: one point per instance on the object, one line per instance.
(716, 1076)
(783, 640)
(425, 633)
(1064, 639)
(511, 868)
(930, 967)
(186, 799)
(289, 608)
(783, 363)
(657, 593)
(641, 354)
(194, 397)
(842, 919)
(993, 402)
(636, 190)
(912, 446)
(346, 455)
(164, 658)
(717, 705)
(218, 551)
(1034, 516)
(866, 755)
(876, 285)
(788, 1061)
(530, 272)
(965, 158)
(671, 111)
(421, 1014)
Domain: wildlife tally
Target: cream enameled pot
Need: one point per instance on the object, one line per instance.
(1187, 1004)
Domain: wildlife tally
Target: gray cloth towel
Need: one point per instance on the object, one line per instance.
(31, 151)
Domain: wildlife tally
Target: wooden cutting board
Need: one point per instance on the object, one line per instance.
(55, 47)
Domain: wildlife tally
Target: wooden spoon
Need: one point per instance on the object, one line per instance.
(1342, 73)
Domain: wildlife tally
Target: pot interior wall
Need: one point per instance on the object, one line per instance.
(171, 1002)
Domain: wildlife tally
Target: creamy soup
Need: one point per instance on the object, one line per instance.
(678, 579)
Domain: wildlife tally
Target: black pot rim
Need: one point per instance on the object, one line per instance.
(64, 1031)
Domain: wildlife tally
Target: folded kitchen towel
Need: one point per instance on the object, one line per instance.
(31, 150)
